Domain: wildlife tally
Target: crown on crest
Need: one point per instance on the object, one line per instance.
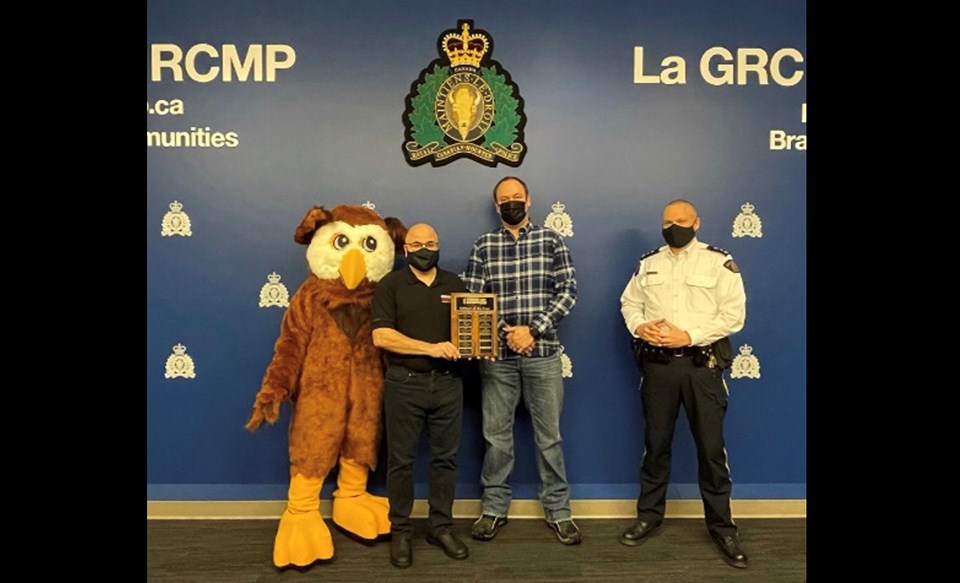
(273, 277)
(176, 206)
(746, 350)
(558, 207)
(369, 205)
(465, 48)
(747, 208)
(179, 349)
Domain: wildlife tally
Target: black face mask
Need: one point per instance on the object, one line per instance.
(513, 211)
(677, 236)
(423, 260)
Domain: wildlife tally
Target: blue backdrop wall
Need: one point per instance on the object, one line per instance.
(603, 139)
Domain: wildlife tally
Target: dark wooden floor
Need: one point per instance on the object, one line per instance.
(239, 551)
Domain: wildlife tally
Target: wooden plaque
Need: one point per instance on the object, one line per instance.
(473, 324)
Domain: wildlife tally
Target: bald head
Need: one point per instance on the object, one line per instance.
(421, 236)
(680, 212)
(421, 233)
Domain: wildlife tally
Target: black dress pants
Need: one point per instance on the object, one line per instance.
(414, 401)
(703, 394)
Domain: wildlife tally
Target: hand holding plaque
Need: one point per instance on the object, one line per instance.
(473, 324)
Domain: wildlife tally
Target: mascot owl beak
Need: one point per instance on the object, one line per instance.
(353, 268)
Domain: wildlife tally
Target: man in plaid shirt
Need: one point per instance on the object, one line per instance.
(529, 268)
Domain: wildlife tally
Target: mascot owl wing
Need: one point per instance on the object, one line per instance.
(281, 380)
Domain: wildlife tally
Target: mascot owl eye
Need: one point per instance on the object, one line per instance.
(340, 241)
(370, 244)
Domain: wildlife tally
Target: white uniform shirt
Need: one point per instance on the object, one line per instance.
(699, 290)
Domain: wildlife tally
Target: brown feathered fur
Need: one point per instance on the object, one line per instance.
(334, 377)
(336, 382)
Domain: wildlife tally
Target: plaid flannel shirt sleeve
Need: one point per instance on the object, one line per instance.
(474, 277)
(565, 290)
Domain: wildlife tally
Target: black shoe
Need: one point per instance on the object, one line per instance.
(401, 552)
(730, 548)
(487, 526)
(566, 531)
(451, 545)
(639, 531)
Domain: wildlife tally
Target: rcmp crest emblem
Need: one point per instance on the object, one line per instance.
(179, 364)
(559, 221)
(566, 364)
(464, 104)
(274, 293)
(745, 364)
(747, 224)
(175, 221)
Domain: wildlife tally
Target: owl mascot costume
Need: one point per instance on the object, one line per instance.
(326, 365)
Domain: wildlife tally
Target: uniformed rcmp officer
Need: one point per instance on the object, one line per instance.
(681, 304)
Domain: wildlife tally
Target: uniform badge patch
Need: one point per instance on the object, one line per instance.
(464, 104)
(731, 265)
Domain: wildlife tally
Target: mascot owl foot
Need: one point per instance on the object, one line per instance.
(354, 509)
(365, 516)
(303, 537)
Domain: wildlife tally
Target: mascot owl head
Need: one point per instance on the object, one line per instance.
(351, 243)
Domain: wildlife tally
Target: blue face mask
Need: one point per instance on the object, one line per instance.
(677, 236)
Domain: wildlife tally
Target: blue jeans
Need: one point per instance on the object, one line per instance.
(540, 383)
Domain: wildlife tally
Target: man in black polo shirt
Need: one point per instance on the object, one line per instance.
(423, 387)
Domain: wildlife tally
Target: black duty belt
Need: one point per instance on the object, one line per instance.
(663, 355)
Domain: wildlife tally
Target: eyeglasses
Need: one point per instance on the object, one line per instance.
(417, 245)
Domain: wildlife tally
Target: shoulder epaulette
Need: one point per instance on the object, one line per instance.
(642, 257)
(729, 263)
(649, 253)
(718, 250)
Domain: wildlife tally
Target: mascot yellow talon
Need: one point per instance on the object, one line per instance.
(302, 538)
(355, 510)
